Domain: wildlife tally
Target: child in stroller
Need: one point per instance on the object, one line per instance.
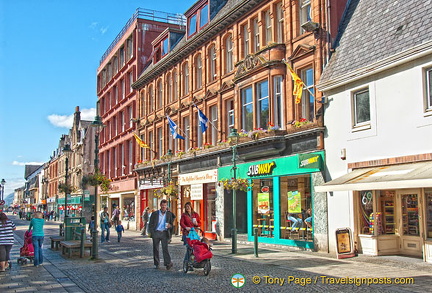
(27, 250)
(198, 253)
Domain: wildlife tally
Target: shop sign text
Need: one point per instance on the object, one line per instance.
(261, 169)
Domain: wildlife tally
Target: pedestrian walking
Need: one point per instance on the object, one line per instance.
(105, 225)
(115, 216)
(120, 230)
(6, 240)
(37, 224)
(189, 219)
(145, 219)
(160, 226)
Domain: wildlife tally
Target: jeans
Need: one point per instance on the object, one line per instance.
(37, 245)
(104, 226)
(119, 236)
(295, 222)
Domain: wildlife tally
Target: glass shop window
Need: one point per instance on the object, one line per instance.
(263, 217)
(428, 196)
(366, 212)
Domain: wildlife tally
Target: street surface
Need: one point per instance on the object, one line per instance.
(128, 267)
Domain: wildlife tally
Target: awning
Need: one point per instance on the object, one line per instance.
(413, 175)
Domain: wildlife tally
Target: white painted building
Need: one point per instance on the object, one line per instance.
(378, 118)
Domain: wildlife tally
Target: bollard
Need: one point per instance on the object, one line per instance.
(82, 242)
(256, 242)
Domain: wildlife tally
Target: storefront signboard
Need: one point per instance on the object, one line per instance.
(294, 202)
(309, 161)
(198, 177)
(344, 243)
(261, 169)
(86, 195)
(196, 192)
(150, 184)
(263, 203)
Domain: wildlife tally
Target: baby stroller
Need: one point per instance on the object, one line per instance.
(199, 252)
(27, 250)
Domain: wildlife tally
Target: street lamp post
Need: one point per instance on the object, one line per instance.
(233, 136)
(66, 151)
(97, 123)
(2, 184)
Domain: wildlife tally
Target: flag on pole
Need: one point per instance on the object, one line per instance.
(140, 142)
(298, 85)
(203, 120)
(173, 128)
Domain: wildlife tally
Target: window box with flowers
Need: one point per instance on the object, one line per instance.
(236, 184)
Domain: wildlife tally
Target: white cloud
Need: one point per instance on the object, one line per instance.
(103, 30)
(66, 121)
(16, 163)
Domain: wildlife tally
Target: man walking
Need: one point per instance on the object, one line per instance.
(115, 216)
(160, 227)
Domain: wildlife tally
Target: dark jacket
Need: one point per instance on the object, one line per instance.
(154, 220)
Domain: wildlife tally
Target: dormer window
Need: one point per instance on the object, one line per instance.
(198, 17)
(165, 47)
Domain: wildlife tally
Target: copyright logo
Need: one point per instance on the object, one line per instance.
(256, 279)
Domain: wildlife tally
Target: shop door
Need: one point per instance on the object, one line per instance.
(411, 242)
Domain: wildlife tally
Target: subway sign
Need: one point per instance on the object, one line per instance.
(261, 169)
(309, 161)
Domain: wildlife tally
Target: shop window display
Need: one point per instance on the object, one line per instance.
(367, 214)
(296, 208)
(428, 195)
(263, 217)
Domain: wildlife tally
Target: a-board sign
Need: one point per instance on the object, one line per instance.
(344, 243)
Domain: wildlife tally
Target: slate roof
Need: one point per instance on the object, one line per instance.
(375, 29)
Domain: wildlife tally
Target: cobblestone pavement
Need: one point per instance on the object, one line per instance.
(128, 267)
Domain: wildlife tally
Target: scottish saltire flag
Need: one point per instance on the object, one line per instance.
(173, 129)
(203, 120)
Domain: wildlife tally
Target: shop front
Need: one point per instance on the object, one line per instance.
(280, 204)
(199, 188)
(392, 207)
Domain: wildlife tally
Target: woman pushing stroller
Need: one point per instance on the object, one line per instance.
(189, 219)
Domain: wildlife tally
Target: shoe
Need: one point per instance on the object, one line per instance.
(108, 241)
(169, 266)
(156, 267)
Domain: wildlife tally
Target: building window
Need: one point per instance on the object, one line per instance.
(123, 88)
(122, 159)
(129, 48)
(151, 99)
(212, 63)
(230, 115)
(122, 57)
(198, 72)
(169, 83)
(151, 145)
(161, 140)
(213, 120)
(159, 94)
(228, 55)
(192, 27)
(361, 108)
(263, 109)
(247, 108)
(278, 104)
(130, 81)
(279, 24)
(165, 48)
(268, 27)
(428, 195)
(262, 204)
(256, 35)
(305, 13)
(245, 32)
(204, 16)
(185, 72)
(175, 85)
(115, 94)
(429, 89)
(122, 119)
(295, 206)
(130, 156)
(186, 128)
(115, 65)
(308, 100)
(130, 112)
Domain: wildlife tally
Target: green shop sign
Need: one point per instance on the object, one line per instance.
(296, 164)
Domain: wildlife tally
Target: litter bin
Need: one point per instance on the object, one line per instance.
(71, 224)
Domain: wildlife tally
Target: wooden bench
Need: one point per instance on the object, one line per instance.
(68, 246)
(56, 240)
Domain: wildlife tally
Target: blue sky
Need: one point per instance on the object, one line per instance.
(49, 54)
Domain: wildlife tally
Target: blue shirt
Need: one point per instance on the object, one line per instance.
(162, 221)
(37, 225)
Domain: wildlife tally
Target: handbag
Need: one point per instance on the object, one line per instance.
(109, 225)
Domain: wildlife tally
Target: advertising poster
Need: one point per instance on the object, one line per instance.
(294, 202)
(263, 203)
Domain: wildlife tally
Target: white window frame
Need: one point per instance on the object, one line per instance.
(355, 123)
(198, 72)
(214, 120)
(278, 119)
(268, 27)
(305, 13)
(308, 100)
(212, 60)
(279, 23)
(428, 87)
(229, 62)
(245, 40)
(256, 33)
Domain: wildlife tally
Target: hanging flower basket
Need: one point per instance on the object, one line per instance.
(236, 184)
(65, 188)
(97, 179)
(170, 190)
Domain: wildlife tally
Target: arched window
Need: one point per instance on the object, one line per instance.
(212, 63)
(185, 73)
(175, 85)
(159, 94)
(228, 54)
(198, 72)
(151, 99)
(169, 86)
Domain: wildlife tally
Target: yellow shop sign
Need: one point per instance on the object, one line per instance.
(261, 169)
